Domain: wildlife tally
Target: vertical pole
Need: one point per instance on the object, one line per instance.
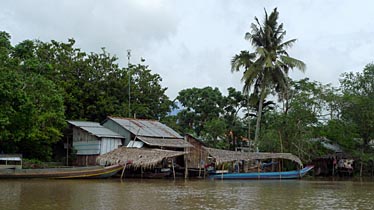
(199, 170)
(128, 67)
(186, 156)
(67, 150)
(123, 170)
(200, 161)
(223, 166)
(186, 170)
(249, 124)
(172, 165)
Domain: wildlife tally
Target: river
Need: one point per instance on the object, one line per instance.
(113, 194)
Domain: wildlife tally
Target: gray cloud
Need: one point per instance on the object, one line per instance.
(191, 43)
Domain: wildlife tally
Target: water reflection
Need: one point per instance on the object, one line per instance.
(193, 194)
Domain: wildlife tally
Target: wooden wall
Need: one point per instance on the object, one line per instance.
(197, 156)
(86, 160)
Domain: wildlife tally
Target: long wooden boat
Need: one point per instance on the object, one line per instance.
(62, 173)
(262, 175)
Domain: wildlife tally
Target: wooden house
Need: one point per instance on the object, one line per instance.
(90, 139)
(334, 162)
(197, 156)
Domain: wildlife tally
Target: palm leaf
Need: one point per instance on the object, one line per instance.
(293, 62)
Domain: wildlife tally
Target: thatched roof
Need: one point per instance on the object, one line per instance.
(146, 158)
(223, 156)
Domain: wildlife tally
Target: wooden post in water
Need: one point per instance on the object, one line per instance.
(186, 150)
(67, 150)
(123, 170)
(258, 169)
(223, 166)
(172, 165)
(185, 167)
(279, 169)
(199, 169)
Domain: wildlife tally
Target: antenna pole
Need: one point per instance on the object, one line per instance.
(128, 67)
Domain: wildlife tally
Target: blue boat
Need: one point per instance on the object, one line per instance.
(261, 175)
(234, 161)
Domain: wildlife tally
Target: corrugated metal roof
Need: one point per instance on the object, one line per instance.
(11, 158)
(96, 129)
(150, 128)
(135, 144)
(161, 142)
(84, 123)
(326, 143)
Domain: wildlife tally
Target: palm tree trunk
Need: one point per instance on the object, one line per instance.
(259, 115)
(249, 119)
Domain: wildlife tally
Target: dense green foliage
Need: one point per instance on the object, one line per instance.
(31, 106)
(43, 84)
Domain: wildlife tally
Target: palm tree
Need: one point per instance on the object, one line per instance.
(267, 67)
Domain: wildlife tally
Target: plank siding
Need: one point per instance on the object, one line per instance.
(197, 157)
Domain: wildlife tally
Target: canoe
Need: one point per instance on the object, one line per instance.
(262, 175)
(63, 173)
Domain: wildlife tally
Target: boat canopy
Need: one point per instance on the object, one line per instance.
(223, 156)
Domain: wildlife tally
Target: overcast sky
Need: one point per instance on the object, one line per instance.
(190, 42)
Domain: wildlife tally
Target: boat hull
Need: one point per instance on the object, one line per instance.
(263, 175)
(62, 173)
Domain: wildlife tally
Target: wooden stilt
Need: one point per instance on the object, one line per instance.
(223, 166)
(172, 165)
(123, 170)
(199, 170)
(186, 168)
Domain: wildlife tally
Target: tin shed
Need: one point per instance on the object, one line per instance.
(90, 139)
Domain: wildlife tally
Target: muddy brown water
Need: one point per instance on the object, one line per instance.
(32, 194)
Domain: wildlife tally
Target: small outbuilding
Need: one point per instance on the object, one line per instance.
(336, 161)
(197, 156)
(90, 139)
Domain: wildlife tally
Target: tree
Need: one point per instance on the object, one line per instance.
(148, 98)
(358, 101)
(5, 49)
(200, 105)
(233, 104)
(267, 67)
(93, 85)
(31, 114)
